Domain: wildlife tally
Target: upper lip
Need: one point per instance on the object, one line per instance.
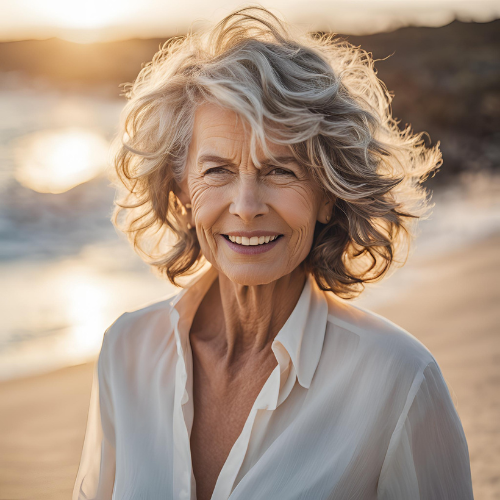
(249, 234)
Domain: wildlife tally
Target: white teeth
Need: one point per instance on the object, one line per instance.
(254, 240)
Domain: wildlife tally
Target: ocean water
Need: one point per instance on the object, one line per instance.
(66, 274)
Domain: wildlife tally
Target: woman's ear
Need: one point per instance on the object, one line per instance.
(325, 212)
(180, 190)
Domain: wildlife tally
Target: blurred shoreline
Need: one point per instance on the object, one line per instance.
(452, 311)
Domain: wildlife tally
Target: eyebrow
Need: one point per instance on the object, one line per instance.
(283, 160)
(214, 159)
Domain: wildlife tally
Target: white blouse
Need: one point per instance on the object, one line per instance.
(357, 408)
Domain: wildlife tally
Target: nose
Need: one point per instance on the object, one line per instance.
(248, 202)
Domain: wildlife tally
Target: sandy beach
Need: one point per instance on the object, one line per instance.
(454, 312)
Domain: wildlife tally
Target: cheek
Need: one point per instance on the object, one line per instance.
(207, 205)
(297, 205)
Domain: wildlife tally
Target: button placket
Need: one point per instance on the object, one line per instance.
(182, 451)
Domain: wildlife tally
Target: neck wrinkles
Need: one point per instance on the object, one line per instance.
(250, 317)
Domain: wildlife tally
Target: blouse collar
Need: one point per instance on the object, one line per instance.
(301, 336)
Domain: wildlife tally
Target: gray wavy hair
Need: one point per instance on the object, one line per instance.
(321, 97)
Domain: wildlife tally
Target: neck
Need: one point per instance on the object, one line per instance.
(250, 317)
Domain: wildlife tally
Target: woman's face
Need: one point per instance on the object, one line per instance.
(255, 225)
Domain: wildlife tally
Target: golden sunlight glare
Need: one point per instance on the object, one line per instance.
(55, 161)
(87, 14)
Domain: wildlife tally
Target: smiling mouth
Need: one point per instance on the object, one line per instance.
(253, 241)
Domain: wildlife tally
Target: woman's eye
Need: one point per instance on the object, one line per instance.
(281, 171)
(216, 170)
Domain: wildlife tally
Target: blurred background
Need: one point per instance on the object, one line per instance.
(66, 274)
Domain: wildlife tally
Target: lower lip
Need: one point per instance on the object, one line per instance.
(252, 249)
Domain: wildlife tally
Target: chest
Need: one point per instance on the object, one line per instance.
(222, 404)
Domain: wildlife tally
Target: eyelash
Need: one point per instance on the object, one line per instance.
(215, 169)
(222, 169)
(286, 172)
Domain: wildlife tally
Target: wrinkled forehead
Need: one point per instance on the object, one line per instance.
(223, 132)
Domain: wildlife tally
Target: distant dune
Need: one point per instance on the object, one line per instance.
(446, 80)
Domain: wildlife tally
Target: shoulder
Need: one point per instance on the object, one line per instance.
(140, 324)
(380, 364)
(376, 338)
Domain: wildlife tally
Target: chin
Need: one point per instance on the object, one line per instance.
(251, 274)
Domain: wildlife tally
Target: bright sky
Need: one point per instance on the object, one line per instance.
(92, 20)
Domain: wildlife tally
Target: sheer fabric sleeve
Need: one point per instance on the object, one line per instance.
(427, 457)
(96, 474)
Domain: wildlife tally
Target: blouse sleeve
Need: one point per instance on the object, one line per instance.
(427, 457)
(96, 474)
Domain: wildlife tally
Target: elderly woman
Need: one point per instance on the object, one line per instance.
(269, 165)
